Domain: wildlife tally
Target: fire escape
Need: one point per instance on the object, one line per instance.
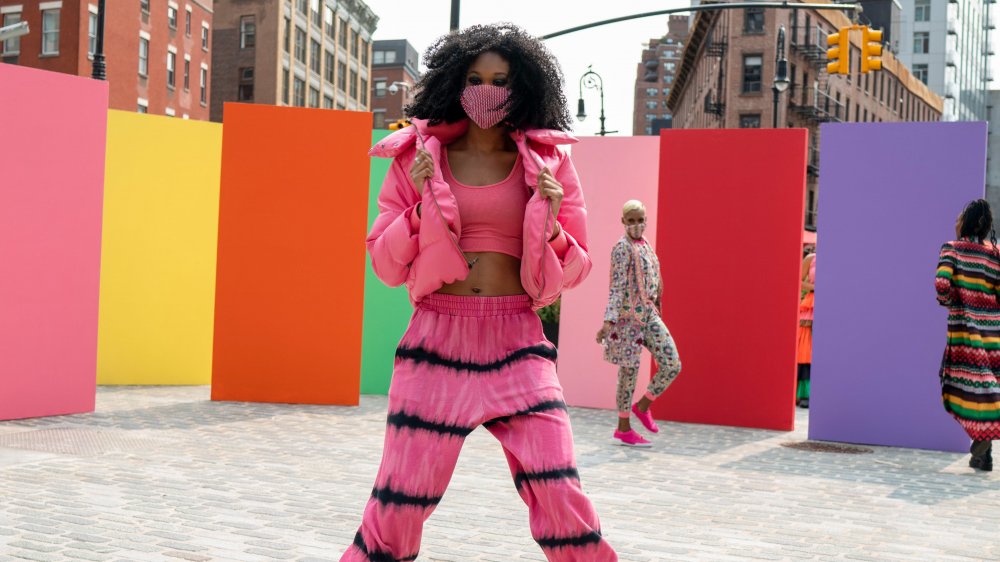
(717, 47)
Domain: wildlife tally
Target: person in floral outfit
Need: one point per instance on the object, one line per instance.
(632, 320)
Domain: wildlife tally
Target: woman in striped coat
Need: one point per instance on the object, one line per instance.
(968, 283)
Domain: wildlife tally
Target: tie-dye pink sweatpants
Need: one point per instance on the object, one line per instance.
(466, 362)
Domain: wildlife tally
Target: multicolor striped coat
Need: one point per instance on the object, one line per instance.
(968, 283)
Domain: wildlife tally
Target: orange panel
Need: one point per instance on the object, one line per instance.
(291, 266)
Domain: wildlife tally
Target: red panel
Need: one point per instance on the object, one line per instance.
(729, 238)
(290, 286)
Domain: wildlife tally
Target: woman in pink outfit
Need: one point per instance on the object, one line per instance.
(483, 219)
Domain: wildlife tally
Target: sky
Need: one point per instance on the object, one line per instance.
(614, 50)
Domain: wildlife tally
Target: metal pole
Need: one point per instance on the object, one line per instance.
(99, 69)
(600, 88)
(708, 8)
(455, 7)
(774, 119)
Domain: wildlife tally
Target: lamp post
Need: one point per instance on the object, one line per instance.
(593, 81)
(456, 6)
(781, 81)
(99, 68)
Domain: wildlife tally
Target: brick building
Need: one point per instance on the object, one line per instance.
(655, 76)
(305, 53)
(726, 79)
(394, 62)
(157, 51)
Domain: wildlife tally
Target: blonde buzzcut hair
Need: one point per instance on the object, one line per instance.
(633, 205)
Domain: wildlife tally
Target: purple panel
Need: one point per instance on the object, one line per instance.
(888, 200)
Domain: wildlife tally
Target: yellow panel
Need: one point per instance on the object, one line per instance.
(161, 216)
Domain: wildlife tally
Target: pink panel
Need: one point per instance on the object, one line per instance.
(586, 378)
(52, 157)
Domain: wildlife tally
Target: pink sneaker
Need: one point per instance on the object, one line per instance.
(646, 418)
(632, 439)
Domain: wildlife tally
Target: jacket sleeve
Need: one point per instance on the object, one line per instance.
(618, 283)
(943, 282)
(393, 239)
(550, 267)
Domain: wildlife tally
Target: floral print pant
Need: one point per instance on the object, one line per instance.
(660, 343)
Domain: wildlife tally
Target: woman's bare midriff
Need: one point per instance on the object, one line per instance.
(494, 275)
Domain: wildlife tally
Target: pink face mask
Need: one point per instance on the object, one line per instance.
(485, 104)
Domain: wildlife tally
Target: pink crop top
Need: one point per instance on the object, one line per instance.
(492, 215)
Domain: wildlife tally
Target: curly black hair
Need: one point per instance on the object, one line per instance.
(536, 100)
(977, 222)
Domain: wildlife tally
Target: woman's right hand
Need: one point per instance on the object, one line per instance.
(602, 334)
(422, 169)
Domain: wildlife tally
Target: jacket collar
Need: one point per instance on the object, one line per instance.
(401, 140)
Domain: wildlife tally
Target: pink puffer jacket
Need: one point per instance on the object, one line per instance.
(424, 253)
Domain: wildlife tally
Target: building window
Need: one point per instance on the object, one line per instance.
(327, 102)
(380, 88)
(328, 69)
(144, 6)
(50, 32)
(171, 69)
(187, 22)
(922, 42)
(284, 86)
(342, 33)
(313, 97)
(331, 31)
(299, 92)
(364, 92)
(752, 74)
(203, 96)
(187, 73)
(204, 37)
(652, 104)
(920, 72)
(364, 53)
(669, 66)
(315, 56)
(143, 56)
(379, 120)
(390, 57)
(300, 45)
(245, 92)
(316, 14)
(172, 17)
(354, 84)
(750, 121)
(12, 46)
(753, 20)
(142, 106)
(303, 6)
(341, 106)
(650, 116)
(248, 32)
(378, 57)
(922, 9)
(342, 77)
(652, 91)
(354, 43)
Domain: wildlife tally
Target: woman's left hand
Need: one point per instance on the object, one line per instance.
(551, 189)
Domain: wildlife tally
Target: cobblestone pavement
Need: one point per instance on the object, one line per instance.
(165, 474)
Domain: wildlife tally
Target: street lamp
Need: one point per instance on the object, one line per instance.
(14, 30)
(99, 68)
(593, 81)
(781, 81)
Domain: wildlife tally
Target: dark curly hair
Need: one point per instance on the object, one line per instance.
(977, 222)
(536, 100)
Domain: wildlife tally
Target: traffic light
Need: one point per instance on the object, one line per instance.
(871, 49)
(839, 55)
(399, 124)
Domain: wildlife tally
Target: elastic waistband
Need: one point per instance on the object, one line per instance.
(455, 305)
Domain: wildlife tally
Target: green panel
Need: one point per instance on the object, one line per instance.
(387, 311)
